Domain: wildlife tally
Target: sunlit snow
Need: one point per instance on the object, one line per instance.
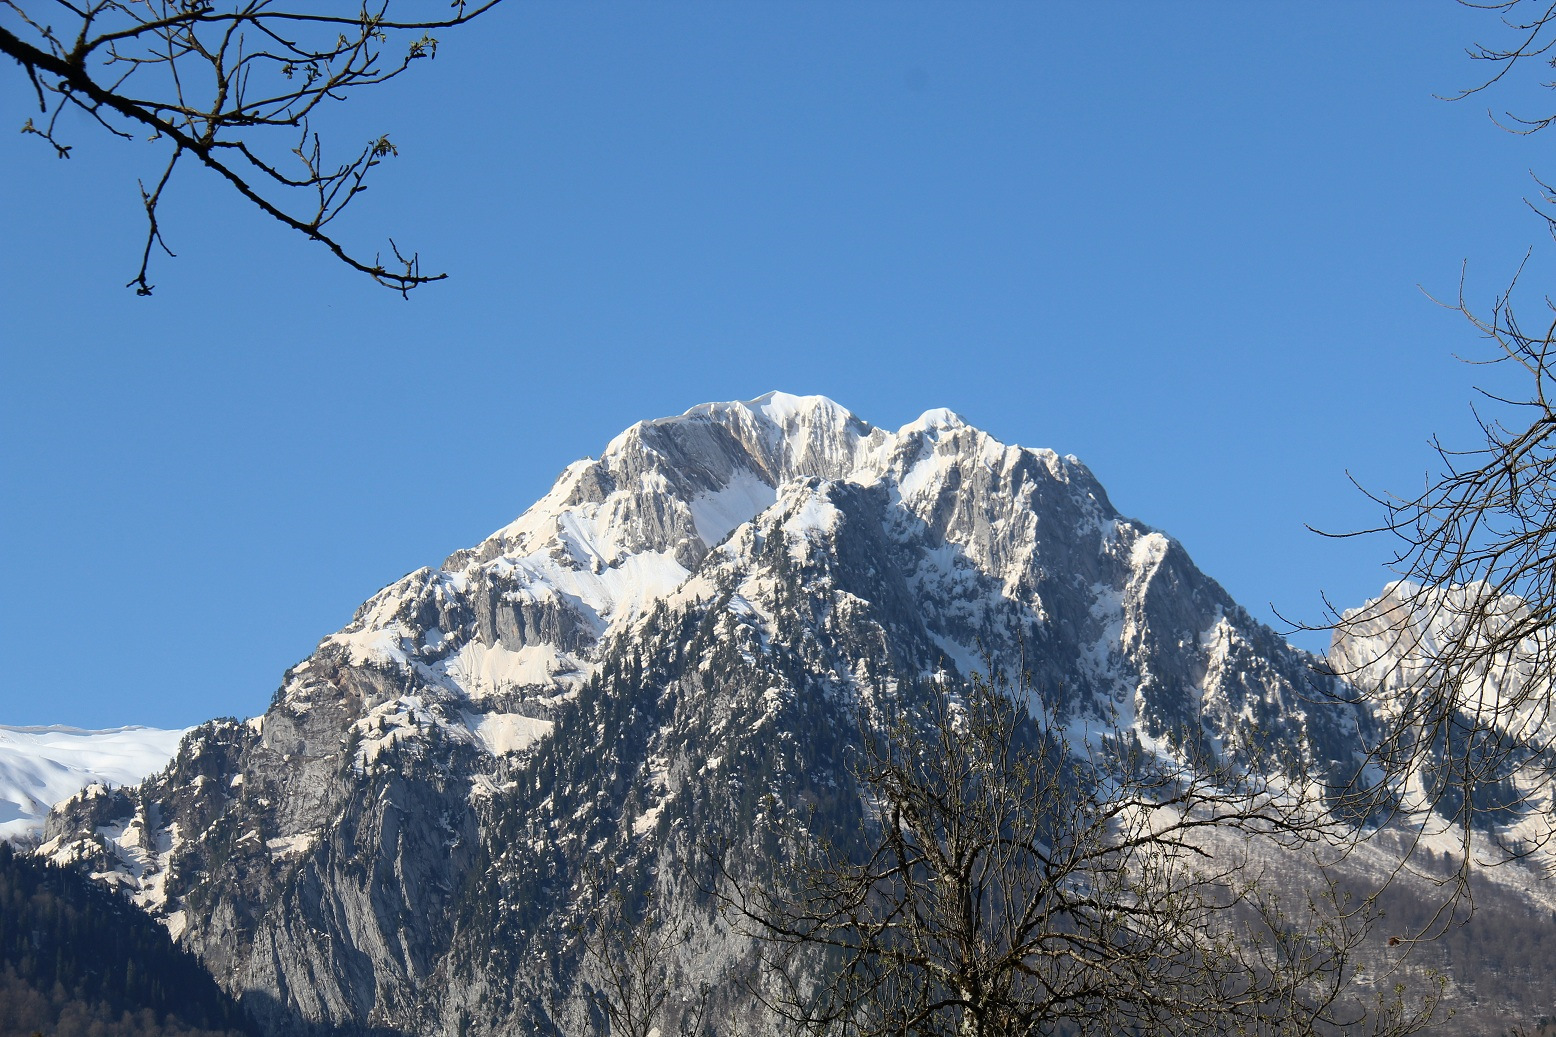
(741, 499)
(42, 766)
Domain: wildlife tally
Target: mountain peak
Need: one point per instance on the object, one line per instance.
(934, 420)
(40, 766)
(785, 411)
(672, 641)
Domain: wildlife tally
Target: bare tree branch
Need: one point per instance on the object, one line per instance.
(219, 81)
(629, 952)
(1014, 885)
(1457, 658)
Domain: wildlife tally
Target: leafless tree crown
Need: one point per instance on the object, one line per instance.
(1010, 886)
(629, 957)
(234, 85)
(1459, 656)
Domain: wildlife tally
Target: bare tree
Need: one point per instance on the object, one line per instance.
(1531, 37)
(233, 86)
(1010, 885)
(1458, 657)
(631, 955)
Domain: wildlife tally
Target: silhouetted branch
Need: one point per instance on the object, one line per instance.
(216, 81)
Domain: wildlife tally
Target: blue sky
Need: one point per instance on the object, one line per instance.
(1183, 242)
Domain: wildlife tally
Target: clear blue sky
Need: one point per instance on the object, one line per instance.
(1182, 242)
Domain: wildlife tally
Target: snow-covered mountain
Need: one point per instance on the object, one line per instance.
(42, 766)
(1007, 543)
(670, 647)
(1492, 785)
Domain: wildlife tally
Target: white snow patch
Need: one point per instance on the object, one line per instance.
(816, 514)
(503, 733)
(925, 476)
(935, 420)
(142, 871)
(291, 845)
(783, 408)
(390, 722)
(744, 497)
(1148, 551)
(966, 661)
(42, 766)
(376, 645)
(480, 670)
(647, 820)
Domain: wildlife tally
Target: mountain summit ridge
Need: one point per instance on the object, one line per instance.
(617, 533)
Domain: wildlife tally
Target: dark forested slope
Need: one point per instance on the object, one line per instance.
(76, 959)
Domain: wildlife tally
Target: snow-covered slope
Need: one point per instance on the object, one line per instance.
(42, 766)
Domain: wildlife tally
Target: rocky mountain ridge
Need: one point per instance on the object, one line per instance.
(668, 648)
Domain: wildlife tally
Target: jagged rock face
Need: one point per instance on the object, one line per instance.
(668, 649)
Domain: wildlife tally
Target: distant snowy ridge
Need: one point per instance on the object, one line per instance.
(42, 766)
(1390, 647)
